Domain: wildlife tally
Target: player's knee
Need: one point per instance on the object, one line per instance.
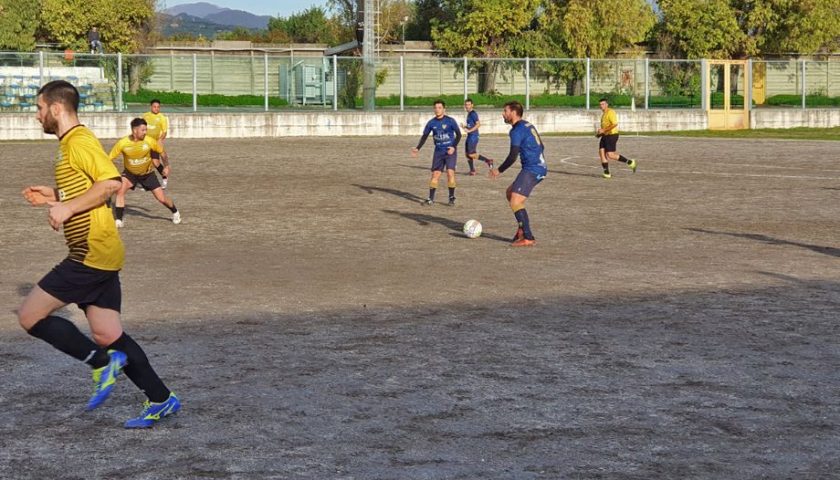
(28, 317)
(107, 337)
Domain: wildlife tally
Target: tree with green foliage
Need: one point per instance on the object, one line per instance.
(19, 20)
(484, 29)
(747, 28)
(126, 26)
(309, 26)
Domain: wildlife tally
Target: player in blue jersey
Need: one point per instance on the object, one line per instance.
(526, 144)
(446, 138)
(471, 126)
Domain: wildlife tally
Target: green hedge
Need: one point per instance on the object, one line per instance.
(206, 100)
(796, 101)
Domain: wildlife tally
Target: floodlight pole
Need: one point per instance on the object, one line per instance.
(368, 56)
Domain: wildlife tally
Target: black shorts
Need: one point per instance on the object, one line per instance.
(74, 282)
(608, 143)
(149, 181)
(155, 155)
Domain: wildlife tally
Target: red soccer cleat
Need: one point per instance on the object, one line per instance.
(523, 242)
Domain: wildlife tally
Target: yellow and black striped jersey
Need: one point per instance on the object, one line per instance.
(92, 235)
(157, 124)
(137, 154)
(609, 117)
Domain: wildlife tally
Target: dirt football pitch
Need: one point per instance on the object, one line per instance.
(318, 322)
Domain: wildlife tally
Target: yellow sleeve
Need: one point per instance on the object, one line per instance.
(164, 124)
(612, 118)
(89, 158)
(116, 151)
(154, 145)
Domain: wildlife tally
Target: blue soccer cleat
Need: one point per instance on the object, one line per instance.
(153, 412)
(105, 378)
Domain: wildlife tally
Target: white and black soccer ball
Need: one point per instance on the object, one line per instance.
(472, 229)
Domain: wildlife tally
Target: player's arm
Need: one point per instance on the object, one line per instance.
(95, 196)
(116, 150)
(426, 132)
(457, 137)
(39, 194)
(514, 152)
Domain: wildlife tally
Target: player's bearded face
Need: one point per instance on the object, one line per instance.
(45, 116)
(155, 108)
(140, 132)
(507, 115)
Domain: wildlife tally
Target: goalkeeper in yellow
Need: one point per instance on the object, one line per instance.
(138, 168)
(158, 128)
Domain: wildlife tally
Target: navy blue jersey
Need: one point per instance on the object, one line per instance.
(525, 136)
(472, 119)
(445, 131)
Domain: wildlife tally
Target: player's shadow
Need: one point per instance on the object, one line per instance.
(456, 227)
(142, 212)
(398, 193)
(573, 174)
(831, 251)
(830, 188)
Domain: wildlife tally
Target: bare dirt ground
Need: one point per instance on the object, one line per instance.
(318, 322)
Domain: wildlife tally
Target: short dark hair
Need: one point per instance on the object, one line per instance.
(439, 101)
(137, 122)
(604, 99)
(516, 107)
(60, 91)
(468, 99)
(154, 100)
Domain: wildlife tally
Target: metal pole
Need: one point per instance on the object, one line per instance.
(402, 81)
(119, 104)
(748, 87)
(527, 83)
(466, 74)
(41, 67)
(369, 56)
(647, 83)
(195, 83)
(335, 82)
(704, 84)
(588, 67)
(265, 79)
(804, 82)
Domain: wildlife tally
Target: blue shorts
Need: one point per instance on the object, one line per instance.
(443, 160)
(471, 145)
(525, 182)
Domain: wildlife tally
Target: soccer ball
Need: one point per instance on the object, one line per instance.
(472, 229)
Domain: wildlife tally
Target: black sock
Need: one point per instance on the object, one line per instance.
(432, 193)
(139, 370)
(160, 170)
(472, 164)
(120, 212)
(606, 167)
(452, 193)
(485, 159)
(66, 337)
(524, 223)
(173, 209)
(623, 159)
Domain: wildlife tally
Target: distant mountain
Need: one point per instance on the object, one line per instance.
(220, 16)
(187, 24)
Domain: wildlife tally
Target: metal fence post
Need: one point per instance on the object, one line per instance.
(335, 82)
(402, 83)
(119, 104)
(41, 67)
(804, 83)
(466, 85)
(527, 83)
(647, 83)
(749, 86)
(195, 83)
(588, 68)
(704, 84)
(265, 79)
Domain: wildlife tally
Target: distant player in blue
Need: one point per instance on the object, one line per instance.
(471, 127)
(446, 137)
(526, 144)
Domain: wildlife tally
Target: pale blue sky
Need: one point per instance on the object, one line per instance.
(274, 8)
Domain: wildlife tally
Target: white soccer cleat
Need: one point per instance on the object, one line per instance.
(119, 223)
(176, 218)
(164, 182)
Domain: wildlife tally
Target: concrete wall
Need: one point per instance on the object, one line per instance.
(795, 117)
(283, 124)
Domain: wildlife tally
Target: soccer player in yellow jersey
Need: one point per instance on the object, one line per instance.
(609, 138)
(158, 128)
(138, 167)
(89, 276)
